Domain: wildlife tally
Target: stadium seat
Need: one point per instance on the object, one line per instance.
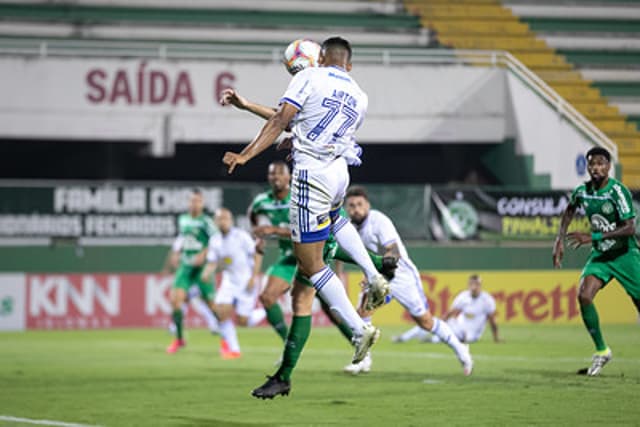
(537, 35)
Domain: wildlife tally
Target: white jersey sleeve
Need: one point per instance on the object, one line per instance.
(386, 231)
(213, 251)
(177, 244)
(249, 244)
(490, 304)
(299, 89)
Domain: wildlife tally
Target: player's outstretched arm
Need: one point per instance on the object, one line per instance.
(265, 138)
(558, 245)
(232, 97)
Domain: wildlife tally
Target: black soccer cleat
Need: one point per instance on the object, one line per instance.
(273, 387)
(389, 266)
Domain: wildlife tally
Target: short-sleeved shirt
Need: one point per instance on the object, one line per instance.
(277, 211)
(474, 311)
(194, 236)
(331, 108)
(606, 209)
(233, 252)
(377, 232)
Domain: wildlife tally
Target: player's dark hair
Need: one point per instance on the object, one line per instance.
(475, 278)
(281, 163)
(197, 191)
(337, 44)
(357, 191)
(595, 151)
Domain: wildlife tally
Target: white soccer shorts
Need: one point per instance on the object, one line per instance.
(236, 294)
(316, 197)
(406, 287)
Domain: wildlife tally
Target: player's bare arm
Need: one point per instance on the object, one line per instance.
(200, 258)
(207, 273)
(558, 246)
(272, 231)
(265, 138)
(171, 262)
(494, 327)
(626, 229)
(232, 97)
(452, 313)
(392, 251)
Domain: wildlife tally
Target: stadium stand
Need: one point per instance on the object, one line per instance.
(588, 51)
(366, 23)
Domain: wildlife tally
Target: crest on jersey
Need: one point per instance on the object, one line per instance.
(607, 208)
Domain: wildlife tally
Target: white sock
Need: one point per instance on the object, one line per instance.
(204, 310)
(228, 333)
(446, 335)
(332, 292)
(367, 320)
(349, 240)
(256, 316)
(414, 333)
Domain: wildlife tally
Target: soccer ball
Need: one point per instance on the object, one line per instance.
(300, 54)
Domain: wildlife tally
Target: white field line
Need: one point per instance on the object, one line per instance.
(427, 355)
(41, 422)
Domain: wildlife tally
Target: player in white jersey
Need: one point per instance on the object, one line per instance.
(325, 107)
(469, 313)
(380, 236)
(232, 250)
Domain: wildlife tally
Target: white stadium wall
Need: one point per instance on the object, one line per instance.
(162, 101)
(556, 146)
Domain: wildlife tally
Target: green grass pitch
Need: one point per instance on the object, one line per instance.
(124, 378)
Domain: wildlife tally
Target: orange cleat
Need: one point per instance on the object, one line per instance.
(175, 346)
(228, 355)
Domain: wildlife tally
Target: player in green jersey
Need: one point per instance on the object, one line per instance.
(188, 256)
(614, 254)
(269, 215)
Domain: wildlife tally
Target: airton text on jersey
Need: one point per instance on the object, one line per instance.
(345, 98)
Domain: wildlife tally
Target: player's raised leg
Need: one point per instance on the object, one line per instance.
(349, 240)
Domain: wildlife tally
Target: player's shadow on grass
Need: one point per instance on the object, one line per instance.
(210, 422)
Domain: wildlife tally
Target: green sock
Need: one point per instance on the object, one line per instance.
(177, 319)
(342, 255)
(276, 319)
(298, 334)
(592, 323)
(342, 327)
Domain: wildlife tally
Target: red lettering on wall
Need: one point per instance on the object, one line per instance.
(223, 81)
(120, 88)
(183, 89)
(532, 303)
(95, 80)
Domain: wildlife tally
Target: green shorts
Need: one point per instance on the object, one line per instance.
(284, 268)
(188, 276)
(625, 268)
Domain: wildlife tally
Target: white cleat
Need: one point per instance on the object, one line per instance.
(364, 342)
(363, 367)
(598, 362)
(466, 361)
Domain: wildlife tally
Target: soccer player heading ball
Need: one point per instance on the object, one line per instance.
(325, 107)
(614, 253)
